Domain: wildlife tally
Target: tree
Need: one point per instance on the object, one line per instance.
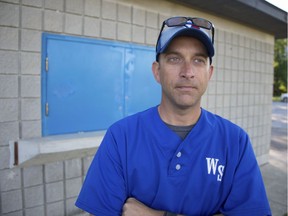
(280, 67)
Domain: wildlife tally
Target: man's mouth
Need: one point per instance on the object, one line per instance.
(185, 88)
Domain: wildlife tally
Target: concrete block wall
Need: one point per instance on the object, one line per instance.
(241, 89)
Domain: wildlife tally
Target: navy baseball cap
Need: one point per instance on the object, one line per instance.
(198, 28)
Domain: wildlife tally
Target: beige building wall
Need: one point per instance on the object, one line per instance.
(240, 90)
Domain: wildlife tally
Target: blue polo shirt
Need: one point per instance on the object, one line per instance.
(213, 169)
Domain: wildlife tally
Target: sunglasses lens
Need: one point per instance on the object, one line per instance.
(175, 21)
(202, 23)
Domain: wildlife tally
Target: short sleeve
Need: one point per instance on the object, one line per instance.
(103, 191)
(247, 196)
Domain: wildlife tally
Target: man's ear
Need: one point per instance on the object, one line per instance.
(155, 69)
(211, 71)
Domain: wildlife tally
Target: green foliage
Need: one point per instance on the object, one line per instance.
(280, 67)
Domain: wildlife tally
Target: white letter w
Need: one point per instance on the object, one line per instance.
(212, 164)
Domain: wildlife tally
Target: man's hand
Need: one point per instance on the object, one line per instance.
(133, 207)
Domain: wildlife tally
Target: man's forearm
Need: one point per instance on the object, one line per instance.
(134, 207)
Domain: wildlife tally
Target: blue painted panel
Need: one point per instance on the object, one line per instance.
(84, 87)
(92, 83)
(142, 91)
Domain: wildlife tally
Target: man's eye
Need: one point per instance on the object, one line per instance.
(199, 60)
(174, 59)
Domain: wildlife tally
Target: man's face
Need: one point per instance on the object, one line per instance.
(183, 71)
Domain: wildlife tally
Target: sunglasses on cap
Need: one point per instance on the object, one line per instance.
(204, 30)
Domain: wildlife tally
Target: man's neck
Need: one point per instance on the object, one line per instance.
(179, 117)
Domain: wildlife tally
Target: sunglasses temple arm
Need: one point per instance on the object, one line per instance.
(213, 35)
(160, 33)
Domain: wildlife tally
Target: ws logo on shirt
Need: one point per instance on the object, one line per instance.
(214, 168)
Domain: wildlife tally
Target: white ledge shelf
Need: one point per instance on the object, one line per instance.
(28, 152)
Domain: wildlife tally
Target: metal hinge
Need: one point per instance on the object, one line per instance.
(46, 109)
(46, 64)
(16, 156)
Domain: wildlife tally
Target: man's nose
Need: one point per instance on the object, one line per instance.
(187, 71)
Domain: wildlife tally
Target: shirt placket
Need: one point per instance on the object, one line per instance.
(177, 164)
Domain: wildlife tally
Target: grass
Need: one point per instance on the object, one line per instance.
(276, 99)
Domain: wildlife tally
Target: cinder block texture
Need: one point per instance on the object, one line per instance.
(4, 157)
(35, 3)
(9, 62)
(30, 109)
(73, 24)
(54, 172)
(8, 86)
(54, 4)
(86, 163)
(9, 14)
(30, 63)
(15, 213)
(75, 6)
(10, 179)
(93, 8)
(30, 86)
(34, 196)
(152, 20)
(108, 29)
(53, 21)
(33, 176)
(73, 187)
(9, 38)
(151, 36)
(138, 16)
(54, 191)
(56, 208)
(8, 131)
(109, 10)
(92, 26)
(36, 211)
(30, 129)
(9, 110)
(31, 40)
(31, 18)
(138, 34)
(11, 197)
(73, 168)
(124, 13)
(71, 209)
(124, 32)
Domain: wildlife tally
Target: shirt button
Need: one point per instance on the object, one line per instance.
(179, 154)
(178, 167)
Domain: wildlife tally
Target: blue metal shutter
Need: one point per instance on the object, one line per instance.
(88, 84)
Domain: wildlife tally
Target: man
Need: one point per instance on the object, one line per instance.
(176, 158)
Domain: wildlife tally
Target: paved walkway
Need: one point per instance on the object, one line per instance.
(275, 173)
